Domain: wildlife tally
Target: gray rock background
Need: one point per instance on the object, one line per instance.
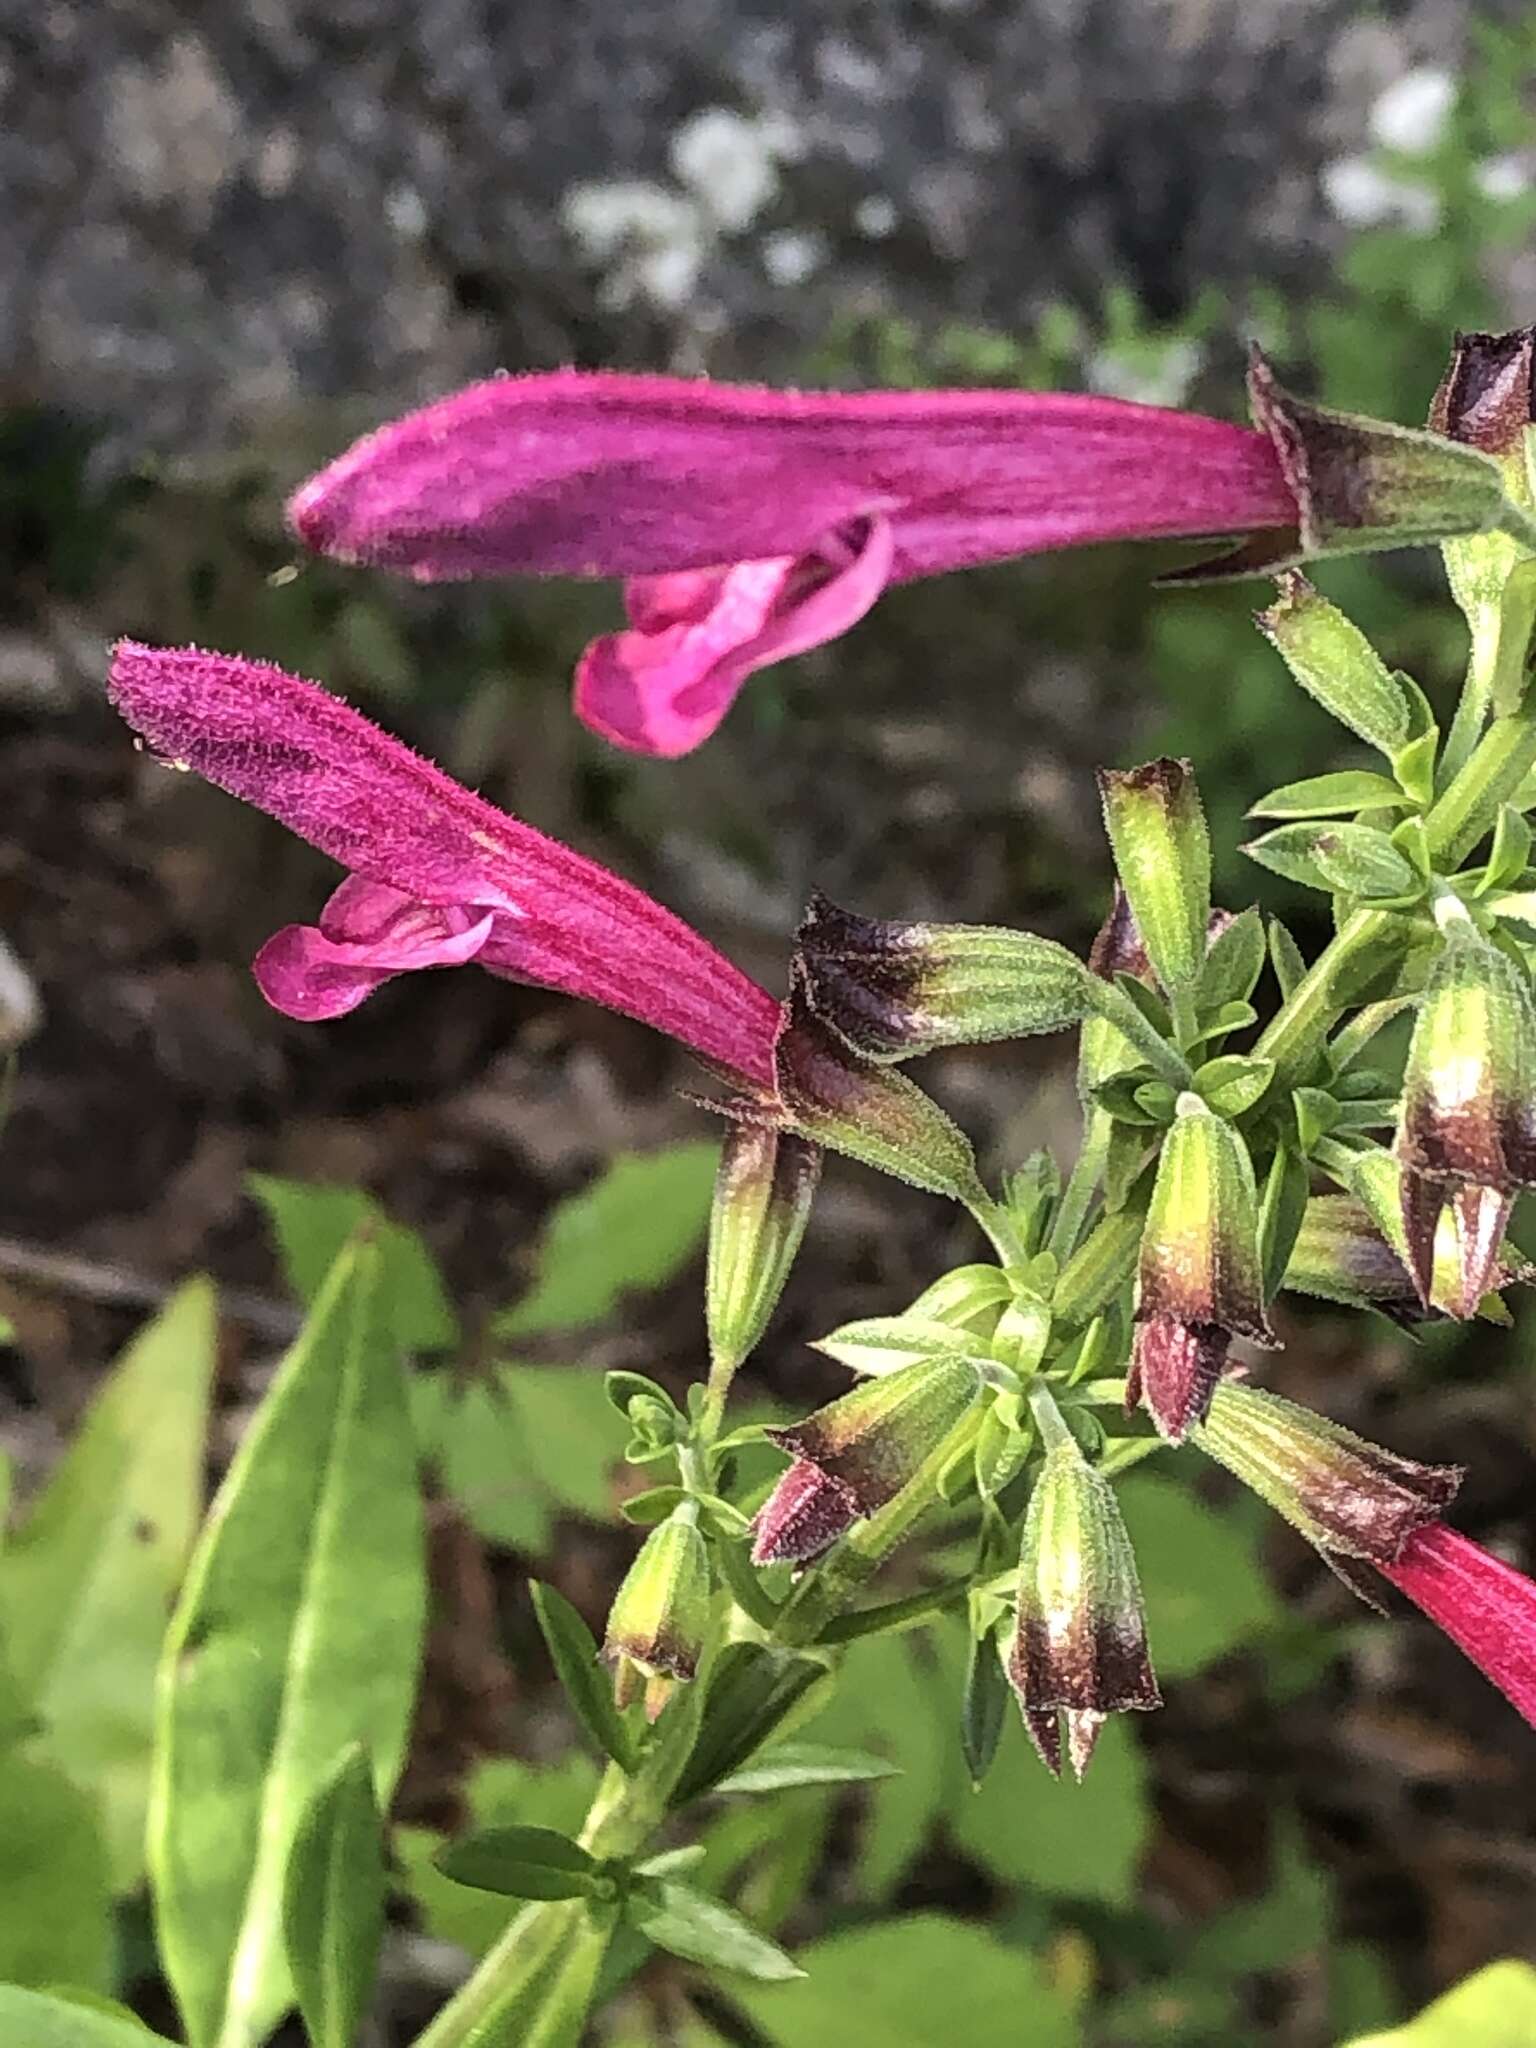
(213, 217)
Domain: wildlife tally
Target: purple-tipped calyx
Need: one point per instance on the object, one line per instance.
(1347, 1496)
(857, 1453)
(1199, 1279)
(1079, 1649)
(660, 1614)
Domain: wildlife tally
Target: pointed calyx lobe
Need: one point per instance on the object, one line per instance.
(1467, 1128)
(755, 524)
(437, 875)
(1360, 484)
(1487, 398)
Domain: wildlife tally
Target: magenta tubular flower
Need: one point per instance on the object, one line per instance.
(753, 524)
(438, 876)
(1485, 1606)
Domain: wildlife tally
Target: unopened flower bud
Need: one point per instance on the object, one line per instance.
(833, 1096)
(1163, 856)
(1080, 1647)
(857, 1453)
(1343, 1493)
(895, 990)
(1341, 1255)
(660, 1614)
(1334, 662)
(1199, 1283)
(763, 1193)
(1384, 1189)
(1467, 1128)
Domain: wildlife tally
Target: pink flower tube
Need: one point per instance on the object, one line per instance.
(1485, 1606)
(437, 875)
(754, 524)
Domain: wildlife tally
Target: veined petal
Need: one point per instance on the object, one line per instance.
(367, 933)
(594, 474)
(401, 824)
(696, 636)
(1485, 1606)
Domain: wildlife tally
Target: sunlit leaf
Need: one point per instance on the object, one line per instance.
(909, 1982)
(1494, 2008)
(55, 1913)
(86, 1582)
(636, 1226)
(33, 2019)
(333, 1902)
(298, 1632)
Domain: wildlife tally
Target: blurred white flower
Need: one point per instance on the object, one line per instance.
(1364, 196)
(1411, 114)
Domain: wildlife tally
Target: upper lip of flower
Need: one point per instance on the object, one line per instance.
(755, 524)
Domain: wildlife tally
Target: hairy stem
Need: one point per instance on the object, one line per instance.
(1499, 764)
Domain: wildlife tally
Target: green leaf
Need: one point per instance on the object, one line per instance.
(86, 1581)
(806, 1763)
(910, 1981)
(1234, 961)
(984, 1706)
(896, 1702)
(750, 1690)
(520, 1863)
(333, 1902)
(1066, 1840)
(690, 1924)
(314, 1221)
(55, 1913)
(1233, 1082)
(1289, 963)
(535, 1442)
(1282, 1205)
(1493, 2008)
(1193, 1617)
(1354, 860)
(879, 1344)
(499, 1791)
(298, 1632)
(1324, 796)
(635, 1227)
(573, 1651)
(32, 2019)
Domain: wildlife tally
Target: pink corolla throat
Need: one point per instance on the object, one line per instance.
(753, 524)
(1486, 1607)
(437, 876)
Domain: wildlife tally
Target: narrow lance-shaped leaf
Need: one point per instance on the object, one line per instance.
(298, 1632)
(688, 1923)
(85, 1584)
(573, 1649)
(333, 1903)
(522, 1863)
(42, 2019)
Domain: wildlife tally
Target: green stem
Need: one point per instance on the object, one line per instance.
(1115, 1007)
(1295, 1034)
(1498, 765)
(1476, 697)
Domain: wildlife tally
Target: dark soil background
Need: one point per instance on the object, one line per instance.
(231, 235)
